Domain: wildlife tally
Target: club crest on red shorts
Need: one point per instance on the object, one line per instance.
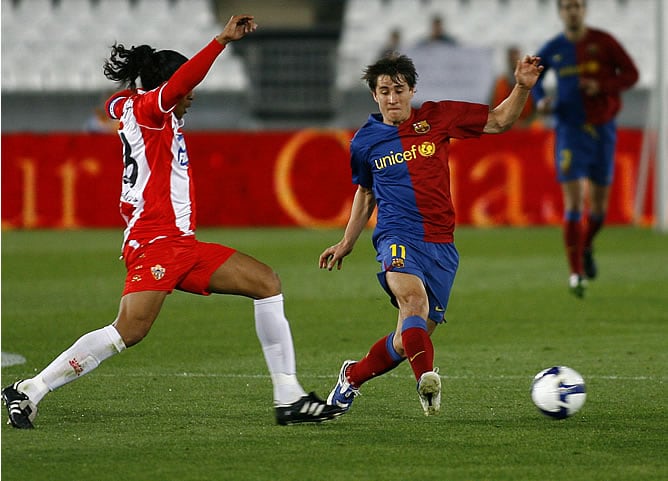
(158, 272)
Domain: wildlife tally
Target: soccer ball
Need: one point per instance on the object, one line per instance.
(558, 392)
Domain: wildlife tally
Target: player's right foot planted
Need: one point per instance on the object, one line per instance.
(343, 393)
(22, 411)
(429, 391)
(577, 284)
(589, 264)
(307, 409)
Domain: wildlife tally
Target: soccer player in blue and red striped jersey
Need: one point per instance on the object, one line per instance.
(592, 69)
(399, 161)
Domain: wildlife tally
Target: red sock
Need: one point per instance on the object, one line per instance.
(378, 360)
(594, 224)
(418, 347)
(573, 241)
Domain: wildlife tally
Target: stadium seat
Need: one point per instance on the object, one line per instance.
(71, 58)
(30, 26)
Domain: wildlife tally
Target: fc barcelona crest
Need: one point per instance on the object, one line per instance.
(158, 272)
(592, 49)
(421, 127)
(397, 263)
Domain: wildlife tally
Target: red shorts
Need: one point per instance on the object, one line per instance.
(185, 264)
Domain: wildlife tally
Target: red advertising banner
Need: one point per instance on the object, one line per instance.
(299, 178)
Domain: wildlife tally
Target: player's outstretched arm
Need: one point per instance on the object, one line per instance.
(192, 73)
(504, 115)
(363, 205)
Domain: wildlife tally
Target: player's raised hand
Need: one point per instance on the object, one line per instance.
(236, 28)
(527, 71)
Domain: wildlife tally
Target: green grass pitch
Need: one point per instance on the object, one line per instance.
(193, 400)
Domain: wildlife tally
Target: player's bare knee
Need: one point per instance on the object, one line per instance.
(132, 331)
(134, 335)
(413, 305)
(133, 338)
(269, 284)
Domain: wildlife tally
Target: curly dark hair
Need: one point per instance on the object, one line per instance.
(144, 62)
(397, 67)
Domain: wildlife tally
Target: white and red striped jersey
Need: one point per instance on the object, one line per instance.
(157, 194)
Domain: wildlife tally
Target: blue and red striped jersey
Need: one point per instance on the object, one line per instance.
(407, 167)
(596, 56)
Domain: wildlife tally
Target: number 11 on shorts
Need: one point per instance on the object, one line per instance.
(398, 251)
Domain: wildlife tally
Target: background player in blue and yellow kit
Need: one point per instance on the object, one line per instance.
(399, 161)
(592, 69)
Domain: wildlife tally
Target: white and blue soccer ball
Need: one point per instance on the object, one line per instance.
(558, 392)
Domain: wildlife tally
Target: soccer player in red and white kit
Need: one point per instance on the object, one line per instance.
(160, 249)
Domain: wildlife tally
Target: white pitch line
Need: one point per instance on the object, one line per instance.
(331, 376)
(12, 359)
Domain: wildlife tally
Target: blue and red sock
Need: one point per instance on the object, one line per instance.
(594, 224)
(418, 347)
(573, 240)
(381, 358)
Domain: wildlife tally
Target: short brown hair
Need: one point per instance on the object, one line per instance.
(394, 66)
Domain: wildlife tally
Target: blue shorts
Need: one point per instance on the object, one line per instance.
(434, 263)
(586, 151)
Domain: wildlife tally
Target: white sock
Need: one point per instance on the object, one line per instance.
(81, 358)
(273, 331)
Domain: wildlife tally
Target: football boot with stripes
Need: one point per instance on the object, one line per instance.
(22, 411)
(307, 409)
